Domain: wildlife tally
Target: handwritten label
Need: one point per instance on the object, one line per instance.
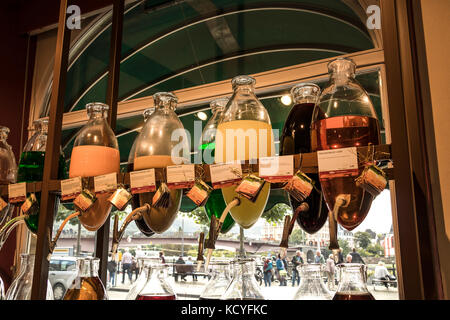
(142, 181)
(181, 176)
(70, 188)
(339, 162)
(225, 174)
(17, 192)
(276, 169)
(105, 183)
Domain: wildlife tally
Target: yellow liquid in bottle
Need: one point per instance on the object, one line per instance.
(250, 140)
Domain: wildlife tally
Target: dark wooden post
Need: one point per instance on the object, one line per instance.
(51, 157)
(102, 236)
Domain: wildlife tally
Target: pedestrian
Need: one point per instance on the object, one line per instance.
(340, 257)
(381, 273)
(297, 261)
(112, 268)
(348, 258)
(330, 269)
(161, 257)
(180, 261)
(356, 258)
(126, 265)
(133, 267)
(190, 262)
(319, 258)
(281, 271)
(268, 268)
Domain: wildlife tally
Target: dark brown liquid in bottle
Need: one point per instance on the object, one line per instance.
(148, 297)
(344, 132)
(353, 296)
(89, 288)
(296, 138)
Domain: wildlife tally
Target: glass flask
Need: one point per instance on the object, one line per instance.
(244, 133)
(31, 164)
(87, 285)
(243, 285)
(215, 204)
(20, 288)
(140, 223)
(344, 117)
(220, 274)
(312, 286)
(8, 169)
(152, 283)
(296, 139)
(95, 152)
(352, 284)
(156, 148)
(141, 280)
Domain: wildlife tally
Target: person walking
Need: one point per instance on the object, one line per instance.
(112, 269)
(126, 265)
(161, 257)
(133, 268)
(319, 258)
(281, 271)
(297, 261)
(330, 269)
(356, 258)
(268, 268)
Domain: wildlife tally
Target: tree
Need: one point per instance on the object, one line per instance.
(375, 250)
(363, 239)
(343, 244)
(277, 213)
(371, 233)
(297, 237)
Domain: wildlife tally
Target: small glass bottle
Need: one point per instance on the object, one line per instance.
(243, 285)
(352, 284)
(312, 286)
(87, 285)
(95, 152)
(20, 288)
(220, 274)
(244, 133)
(140, 223)
(153, 284)
(8, 169)
(215, 204)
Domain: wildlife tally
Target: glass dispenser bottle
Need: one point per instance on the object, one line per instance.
(159, 145)
(31, 164)
(95, 152)
(295, 139)
(20, 288)
(352, 284)
(8, 169)
(156, 286)
(243, 286)
(344, 117)
(215, 204)
(140, 223)
(218, 283)
(87, 285)
(311, 284)
(244, 133)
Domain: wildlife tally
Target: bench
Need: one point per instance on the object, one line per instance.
(389, 283)
(184, 270)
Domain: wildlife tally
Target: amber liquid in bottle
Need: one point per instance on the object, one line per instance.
(90, 288)
(353, 296)
(296, 138)
(148, 297)
(344, 132)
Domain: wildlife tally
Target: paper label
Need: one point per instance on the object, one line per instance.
(339, 162)
(276, 169)
(181, 176)
(120, 198)
(105, 183)
(70, 188)
(225, 174)
(142, 181)
(17, 192)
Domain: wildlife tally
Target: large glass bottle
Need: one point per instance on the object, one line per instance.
(95, 152)
(352, 284)
(243, 285)
(87, 285)
(157, 145)
(344, 117)
(244, 133)
(295, 139)
(8, 169)
(140, 223)
(215, 204)
(31, 164)
(220, 274)
(20, 288)
(156, 286)
(312, 286)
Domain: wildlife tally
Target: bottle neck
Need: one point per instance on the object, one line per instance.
(96, 115)
(342, 77)
(244, 89)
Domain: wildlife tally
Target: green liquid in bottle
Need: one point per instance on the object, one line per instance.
(216, 204)
(31, 169)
